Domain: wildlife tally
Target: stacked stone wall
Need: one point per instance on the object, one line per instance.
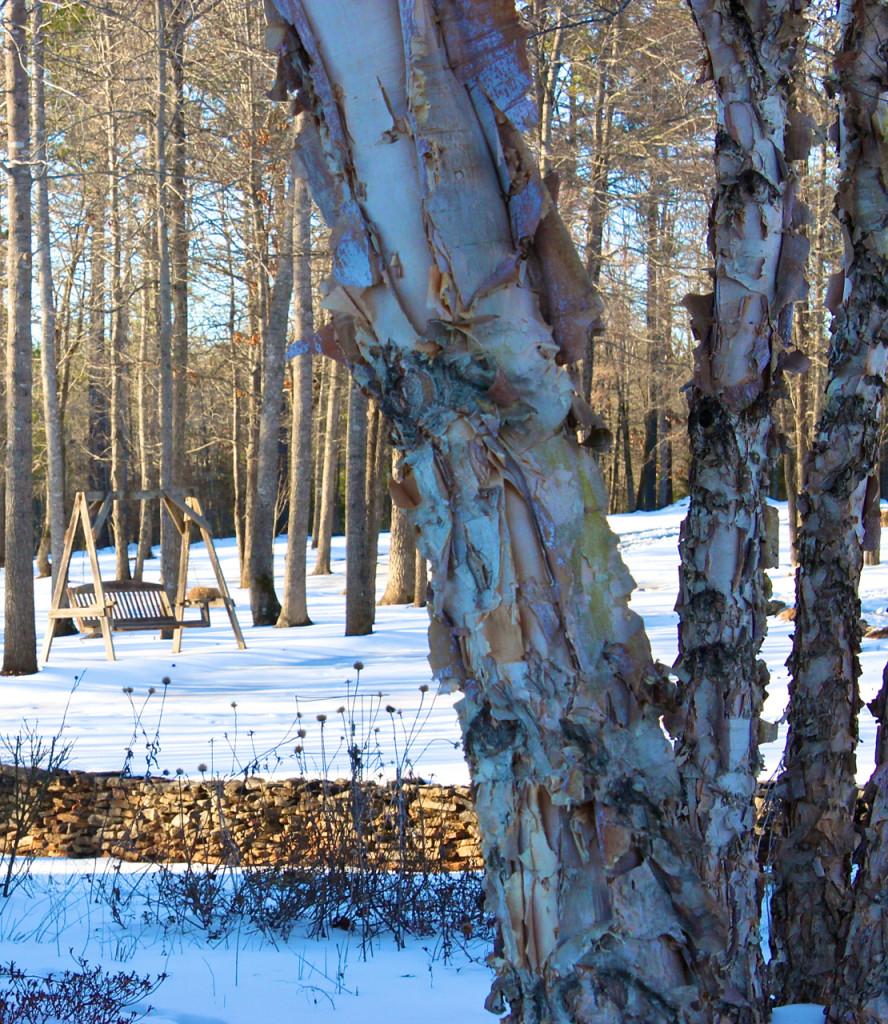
(249, 821)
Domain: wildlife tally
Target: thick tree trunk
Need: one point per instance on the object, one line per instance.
(294, 606)
(402, 555)
(263, 601)
(817, 785)
(576, 788)
(759, 252)
(20, 636)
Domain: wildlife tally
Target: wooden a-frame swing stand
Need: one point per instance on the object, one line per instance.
(102, 608)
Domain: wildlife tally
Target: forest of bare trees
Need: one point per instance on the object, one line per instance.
(518, 295)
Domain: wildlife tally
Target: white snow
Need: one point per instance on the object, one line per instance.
(229, 710)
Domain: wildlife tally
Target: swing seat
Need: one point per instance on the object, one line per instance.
(134, 605)
(129, 605)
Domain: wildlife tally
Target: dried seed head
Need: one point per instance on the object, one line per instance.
(201, 767)
(359, 666)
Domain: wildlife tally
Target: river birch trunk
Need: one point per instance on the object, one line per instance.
(576, 789)
(839, 511)
(759, 250)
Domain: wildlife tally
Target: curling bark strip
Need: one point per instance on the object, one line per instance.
(440, 226)
(817, 785)
(758, 249)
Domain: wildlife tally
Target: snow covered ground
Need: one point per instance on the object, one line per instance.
(229, 710)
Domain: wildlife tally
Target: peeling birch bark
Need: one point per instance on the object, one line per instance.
(817, 786)
(467, 299)
(860, 995)
(759, 250)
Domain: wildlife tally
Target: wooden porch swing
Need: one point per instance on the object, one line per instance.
(101, 608)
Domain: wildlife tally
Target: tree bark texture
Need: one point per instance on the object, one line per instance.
(839, 510)
(263, 600)
(294, 604)
(859, 992)
(328, 472)
(576, 789)
(20, 637)
(759, 250)
(360, 589)
(55, 467)
(402, 555)
(169, 535)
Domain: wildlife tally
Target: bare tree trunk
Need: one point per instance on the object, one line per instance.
(294, 607)
(360, 596)
(817, 785)
(168, 534)
(858, 991)
(576, 789)
(20, 636)
(264, 603)
(178, 235)
(402, 555)
(328, 481)
(420, 580)
(759, 251)
(55, 467)
(647, 478)
(325, 377)
(119, 318)
(98, 430)
(145, 419)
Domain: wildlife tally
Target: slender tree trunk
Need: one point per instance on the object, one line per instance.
(325, 377)
(647, 480)
(169, 536)
(145, 417)
(178, 240)
(294, 607)
(55, 467)
(98, 436)
(360, 596)
(263, 600)
(817, 785)
(759, 251)
(576, 788)
(119, 321)
(328, 483)
(20, 636)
